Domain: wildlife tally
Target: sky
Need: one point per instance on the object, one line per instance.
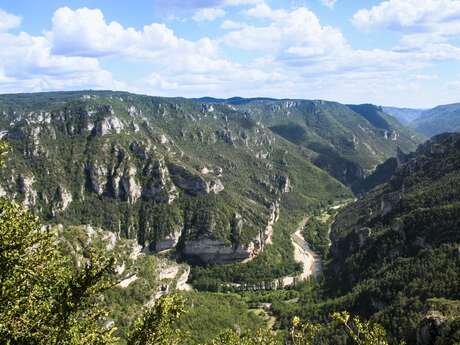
(395, 52)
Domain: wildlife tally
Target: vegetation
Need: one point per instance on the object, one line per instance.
(393, 259)
(394, 251)
(443, 118)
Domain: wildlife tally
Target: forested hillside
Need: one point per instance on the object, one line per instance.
(348, 141)
(395, 253)
(443, 118)
(218, 180)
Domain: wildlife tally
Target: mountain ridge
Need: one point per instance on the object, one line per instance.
(209, 179)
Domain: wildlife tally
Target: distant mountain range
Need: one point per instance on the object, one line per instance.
(429, 122)
(404, 115)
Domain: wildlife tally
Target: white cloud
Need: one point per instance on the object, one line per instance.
(181, 5)
(208, 14)
(8, 21)
(84, 32)
(427, 25)
(241, 2)
(231, 25)
(329, 3)
(293, 32)
(292, 54)
(413, 15)
(27, 64)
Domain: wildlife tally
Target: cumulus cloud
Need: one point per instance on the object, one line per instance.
(329, 3)
(27, 64)
(197, 4)
(208, 14)
(8, 21)
(291, 54)
(231, 25)
(413, 15)
(297, 32)
(85, 33)
(426, 25)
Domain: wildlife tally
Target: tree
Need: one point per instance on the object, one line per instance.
(362, 332)
(155, 326)
(44, 297)
(231, 337)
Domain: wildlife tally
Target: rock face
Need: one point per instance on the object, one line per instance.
(62, 200)
(389, 202)
(107, 125)
(170, 241)
(144, 167)
(96, 177)
(187, 181)
(205, 251)
(265, 236)
(159, 186)
(209, 250)
(25, 188)
(191, 183)
(430, 328)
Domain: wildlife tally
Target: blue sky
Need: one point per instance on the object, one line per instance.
(395, 52)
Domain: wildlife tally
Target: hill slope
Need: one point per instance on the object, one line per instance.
(398, 246)
(404, 115)
(346, 141)
(444, 118)
(168, 172)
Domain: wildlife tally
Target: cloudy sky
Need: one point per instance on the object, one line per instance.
(396, 52)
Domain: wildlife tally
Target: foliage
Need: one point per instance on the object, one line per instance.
(260, 337)
(208, 314)
(362, 332)
(155, 327)
(44, 299)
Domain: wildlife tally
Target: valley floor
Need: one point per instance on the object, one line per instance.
(311, 262)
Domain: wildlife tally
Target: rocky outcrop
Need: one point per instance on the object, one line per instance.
(267, 234)
(389, 202)
(191, 183)
(61, 201)
(96, 177)
(159, 187)
(430, 328)
(207, 250)
(107, 125)
(283, 184)
(25, 184)
(170, 241)
(215, 186)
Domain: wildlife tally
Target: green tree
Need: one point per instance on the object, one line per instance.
(362, 332)
(231, 337)
(44, 298)
(155, 327)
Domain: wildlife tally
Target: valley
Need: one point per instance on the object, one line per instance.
(297, 206)
(230, 172)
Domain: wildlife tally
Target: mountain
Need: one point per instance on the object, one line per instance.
(348, 141)
(169, 172)
(216, 180)
(404, 115)
(444, 118)
(396, 251)
(429, 122)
